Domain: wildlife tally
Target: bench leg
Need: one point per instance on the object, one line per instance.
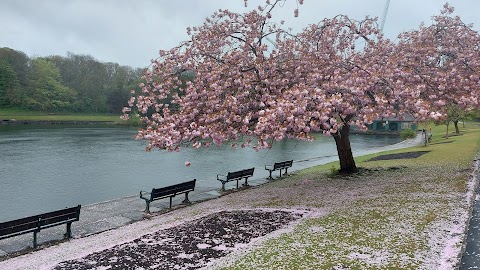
(186, 199)
(147, 208)
(286, 172)
(171, 197)
(270, 176)
(35, 239)
(223, 186)
(69, 230)
(237, 184)
(280, 173)
(246, 183)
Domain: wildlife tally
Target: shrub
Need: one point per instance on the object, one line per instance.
(408, 134)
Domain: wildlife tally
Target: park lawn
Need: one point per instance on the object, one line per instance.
(23, 115)
(399, 214)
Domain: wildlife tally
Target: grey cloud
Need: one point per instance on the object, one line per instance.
(131, 32)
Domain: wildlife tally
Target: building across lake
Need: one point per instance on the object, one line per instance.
(393, 124)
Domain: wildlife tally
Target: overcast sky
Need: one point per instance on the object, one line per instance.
(130, 32)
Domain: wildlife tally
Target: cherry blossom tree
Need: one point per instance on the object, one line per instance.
(438, 68)
(244, 89)
(337, 81)
(333, 75)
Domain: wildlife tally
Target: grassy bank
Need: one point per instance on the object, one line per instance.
(398, 214)
(22, 115)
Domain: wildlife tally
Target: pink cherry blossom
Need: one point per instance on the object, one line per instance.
(226, 84)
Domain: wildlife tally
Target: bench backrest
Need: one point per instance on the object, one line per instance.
(248, 172)
(281, 165)
(234, 175)
(240, 174)
(171, 190)
(19, 226)
(37, 222)
(60, 216)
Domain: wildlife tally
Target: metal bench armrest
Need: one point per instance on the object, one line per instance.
(223, 176)
(142, 197)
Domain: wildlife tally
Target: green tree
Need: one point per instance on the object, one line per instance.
(20, 64)
(47, 93)
(92, 86)
(454, 114)
(9, 85)
(122, 79)
(473, 115)
(88, 77)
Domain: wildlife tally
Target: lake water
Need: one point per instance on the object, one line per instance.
(51, 167)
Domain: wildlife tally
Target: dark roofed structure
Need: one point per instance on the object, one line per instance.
(393, 124)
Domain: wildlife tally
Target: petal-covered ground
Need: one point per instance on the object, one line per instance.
(191, 245)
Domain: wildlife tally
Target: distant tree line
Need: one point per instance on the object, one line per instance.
(75, 83)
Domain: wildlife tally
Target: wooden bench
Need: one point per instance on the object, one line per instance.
(39, 222)
(279, 166)
(235, 176)
(170, 191)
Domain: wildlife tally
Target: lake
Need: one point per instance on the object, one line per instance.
(45, 168)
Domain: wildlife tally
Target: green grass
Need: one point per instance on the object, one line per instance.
(23, 115)
(454, 151)
(381, 219)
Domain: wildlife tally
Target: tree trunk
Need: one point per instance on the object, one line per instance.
(455, 123)
(342, 140)
(448, 124)
(424, 135)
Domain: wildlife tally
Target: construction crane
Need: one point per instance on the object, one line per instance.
(384, 16)
(271, 41)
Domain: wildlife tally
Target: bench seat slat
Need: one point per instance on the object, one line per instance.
(157, 193)
(248, 172)
(62, 212)
(54, 221)
(59, 217)
(234, 175)
(18, 226)
(8, 234)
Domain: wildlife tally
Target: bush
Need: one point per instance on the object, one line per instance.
(408, 134)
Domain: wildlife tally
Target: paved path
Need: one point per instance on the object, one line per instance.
(100, 217)
(471, 256)
(108, 215)
(97, 218)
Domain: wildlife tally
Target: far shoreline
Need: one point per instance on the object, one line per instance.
(56, 122)
(12, 122)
